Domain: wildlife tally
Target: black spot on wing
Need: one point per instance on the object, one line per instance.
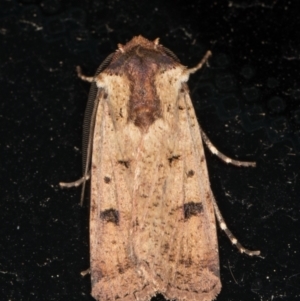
(190, 173)
(173, 159)
(107, 180)
(188, 262)
(110, 216)
(192, 209)
(124, 163)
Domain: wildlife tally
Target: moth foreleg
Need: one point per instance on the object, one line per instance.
(223, 157)
(199, 66)
(232, 238)
(89, 79)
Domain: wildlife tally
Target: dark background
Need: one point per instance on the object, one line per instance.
(247, 101)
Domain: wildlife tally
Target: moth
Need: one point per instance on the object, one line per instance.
(152, 211)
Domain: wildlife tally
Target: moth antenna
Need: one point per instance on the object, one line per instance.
(156, 42)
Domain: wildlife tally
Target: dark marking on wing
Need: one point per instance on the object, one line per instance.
(110, 216)
(192, 209)
(125, 163)
(173, 159)
(186, 262)
(190, 173)
(107, 180)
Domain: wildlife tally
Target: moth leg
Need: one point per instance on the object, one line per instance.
(89, 79)
(224, 158)
(85, 272)
(75, 183)
(232, 238)
(199, 66)
(211, 147)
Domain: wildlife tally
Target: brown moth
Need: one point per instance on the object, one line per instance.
(152, 217)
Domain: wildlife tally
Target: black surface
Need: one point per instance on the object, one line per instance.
(248, 103)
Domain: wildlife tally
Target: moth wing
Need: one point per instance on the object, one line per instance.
(112, 270)
(174, 234)
(195, 276)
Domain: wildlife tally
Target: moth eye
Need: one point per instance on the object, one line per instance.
(192, 209)
(110, 216)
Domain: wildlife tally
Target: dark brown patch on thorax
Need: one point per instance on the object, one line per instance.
(141, 64)
(144, 105)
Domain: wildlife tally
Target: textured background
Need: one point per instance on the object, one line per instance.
(247, 101)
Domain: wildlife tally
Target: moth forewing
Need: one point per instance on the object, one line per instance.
(152, 220)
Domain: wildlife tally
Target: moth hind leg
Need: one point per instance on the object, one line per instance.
(81, 181)
(75, 183)
(231, 237)
(223, 157)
